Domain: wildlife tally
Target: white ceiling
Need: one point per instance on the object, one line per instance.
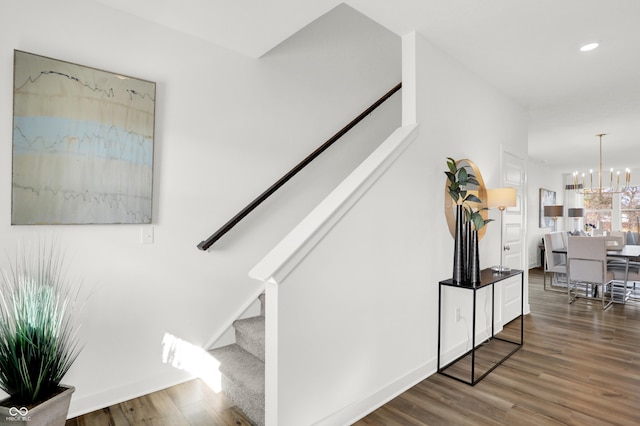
(528, 49)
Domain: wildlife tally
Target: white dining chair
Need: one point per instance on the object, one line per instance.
(628, 274)
(554, 262)
(587, 267)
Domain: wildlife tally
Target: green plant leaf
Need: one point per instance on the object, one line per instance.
(463, 176)
(451, 176)
(468, 213)
(37, 336)
(471, 180)
(478, 220)
(472, 199)
(451, 163)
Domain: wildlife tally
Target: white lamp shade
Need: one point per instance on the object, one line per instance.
(501, 197)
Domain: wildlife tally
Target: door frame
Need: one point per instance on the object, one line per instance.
(523, 208)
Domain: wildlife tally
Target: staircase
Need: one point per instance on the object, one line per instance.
(242, 366)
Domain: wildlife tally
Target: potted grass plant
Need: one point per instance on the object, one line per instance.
(38, 338)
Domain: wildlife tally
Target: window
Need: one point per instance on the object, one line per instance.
(599, 208)
(630, 209)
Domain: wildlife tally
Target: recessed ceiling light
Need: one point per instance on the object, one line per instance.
(589, 46)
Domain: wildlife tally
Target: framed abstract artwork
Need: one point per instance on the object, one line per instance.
(547, 198)
(82, 144)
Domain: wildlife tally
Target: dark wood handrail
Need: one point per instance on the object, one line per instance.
(204, 245)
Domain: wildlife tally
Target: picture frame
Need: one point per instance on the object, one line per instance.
(547, 198)
(83, 141)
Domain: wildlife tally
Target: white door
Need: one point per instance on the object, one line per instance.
(513, 175)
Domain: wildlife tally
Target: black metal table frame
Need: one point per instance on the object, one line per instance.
(488, 278)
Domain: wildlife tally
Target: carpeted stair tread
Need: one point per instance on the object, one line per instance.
(241, 367)
(253, 326)
(250, 335)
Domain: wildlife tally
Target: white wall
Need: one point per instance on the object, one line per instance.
(460, 116)
(357, 317)
(345, 323)
(542, 176)
(226, 128)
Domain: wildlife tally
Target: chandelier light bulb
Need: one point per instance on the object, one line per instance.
(581, 188)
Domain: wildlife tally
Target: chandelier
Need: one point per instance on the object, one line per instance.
(614, 187)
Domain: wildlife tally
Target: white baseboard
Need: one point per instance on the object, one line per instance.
(116, 395)
(353, 412)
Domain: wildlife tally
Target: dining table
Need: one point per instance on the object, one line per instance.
(626, 254)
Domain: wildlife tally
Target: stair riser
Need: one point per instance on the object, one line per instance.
(251, 404)
(253, 346)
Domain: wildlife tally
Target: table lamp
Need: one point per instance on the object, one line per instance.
(554, 212)
(576, 213)
(501, 198)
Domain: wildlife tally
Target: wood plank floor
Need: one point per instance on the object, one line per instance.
(580, 365)
(188, 404)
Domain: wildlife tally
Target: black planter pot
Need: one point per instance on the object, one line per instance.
(474, 259)
(459, 249)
